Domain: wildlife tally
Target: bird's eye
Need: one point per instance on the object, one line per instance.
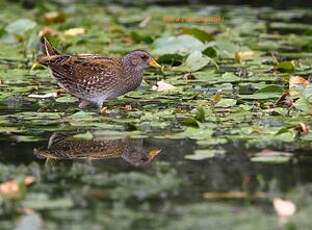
(144, 57)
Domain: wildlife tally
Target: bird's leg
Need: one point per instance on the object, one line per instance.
(83, 104)
(101, 108)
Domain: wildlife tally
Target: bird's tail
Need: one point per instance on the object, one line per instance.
(48, 52)
(47, 48)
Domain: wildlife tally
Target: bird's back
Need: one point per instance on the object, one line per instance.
(85, 76)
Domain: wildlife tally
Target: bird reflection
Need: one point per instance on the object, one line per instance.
(97, 147)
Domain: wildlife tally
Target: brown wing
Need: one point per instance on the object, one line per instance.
(84, 74)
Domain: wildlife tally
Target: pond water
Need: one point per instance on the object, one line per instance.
(141, 180)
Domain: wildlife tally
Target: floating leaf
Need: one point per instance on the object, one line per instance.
(42, 202)
(31, 221)
(210, 52)
(183, 44)
(200, 114)
(190, 121)
(140, 37)
(66, 99)
(270, 156)
(226, 102)
(54, 17)
(196, 61)
(297, 85)
(304, 105)
(233, 195)
(43, 96)
(225, 48)
(267, 92)
(171, 59)
(75, 31)
(243, 55)
(161, 86)
(20, 26)
(202, 154)
(286, 67)
(12, 188)
(197, 33)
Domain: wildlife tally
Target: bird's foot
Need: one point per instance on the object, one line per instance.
(103, 110)
(83, 104)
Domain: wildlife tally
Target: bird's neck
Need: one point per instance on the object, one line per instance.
(131, 70)
(133, 75)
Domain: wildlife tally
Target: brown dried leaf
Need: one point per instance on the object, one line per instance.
(302, 129)
(12, 188)
(145, 22)
(128, 40)
(295, 81)
(47, 32)
(233, 195)
(54, 17)
(189, 76)
(128, 107)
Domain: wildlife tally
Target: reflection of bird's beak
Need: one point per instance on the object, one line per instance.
(153, 63)
(35, 65)
(153, 153)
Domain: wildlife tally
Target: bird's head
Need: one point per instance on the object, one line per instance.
(140, 60)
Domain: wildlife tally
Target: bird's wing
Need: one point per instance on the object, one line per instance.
(86, 71)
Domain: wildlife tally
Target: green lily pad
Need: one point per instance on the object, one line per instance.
(66, 99)
(286, 67)
(273, 157)
(267, 92)
(196, 61)
(226, 102)
(202, 154)
(197, 33)
(20, 26)
(183, 44)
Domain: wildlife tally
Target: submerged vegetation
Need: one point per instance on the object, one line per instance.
(218, 135)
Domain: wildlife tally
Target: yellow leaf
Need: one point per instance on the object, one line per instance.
(239, 56)
(12, 188)
(54, 17)
(75, 31)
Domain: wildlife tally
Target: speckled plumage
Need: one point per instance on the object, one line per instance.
(65, 146)
(94, 78)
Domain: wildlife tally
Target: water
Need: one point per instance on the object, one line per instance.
(223, 173)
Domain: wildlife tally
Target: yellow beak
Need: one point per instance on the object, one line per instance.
(153, 63)
(152, 153)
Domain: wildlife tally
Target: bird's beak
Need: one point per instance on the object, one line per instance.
(152, 153)
(153, 63)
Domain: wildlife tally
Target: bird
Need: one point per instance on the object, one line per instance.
(95, 79)
(69, 146)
